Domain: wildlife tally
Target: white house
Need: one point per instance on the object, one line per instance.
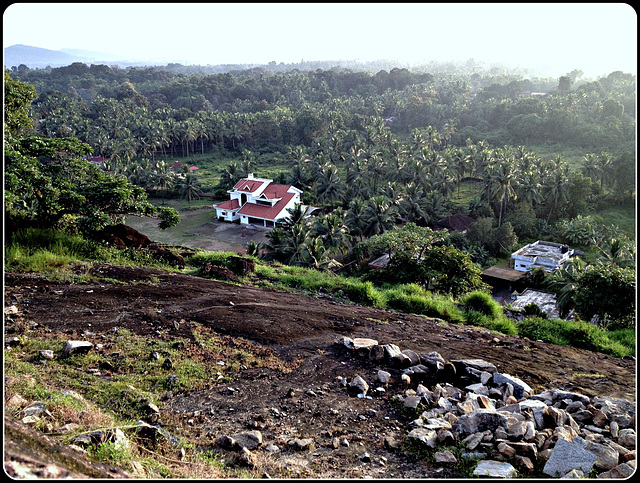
(547, 255)
(258, 200)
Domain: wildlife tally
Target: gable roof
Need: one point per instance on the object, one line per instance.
(249, 185)
(233, 204)
(503, 273)
(266, 212)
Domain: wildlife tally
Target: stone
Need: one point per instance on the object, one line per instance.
(36, 409)
(628, 440)
(606, 456)
(226, 442)
(363, 345)
(573, 474)
(519, 386)
(568, 456)
(395, 357)
(524, 464)
(377, 353)
(46, 354)
(619, 472)
(412, 402)
(478, 388)
(479, 365)
(245, 458)
(446, 437)
(472, 441)
(517, 430)
(445, 457)
(249, 439)
(300, 444)
(418, 373)
(358, 386)
(425, 436)
(76, 347)
(391, 443)
(506, 450)
(11, 310)
(495, 469)
(383, 376)
(414, 358)
(16, 401)
(481, 420)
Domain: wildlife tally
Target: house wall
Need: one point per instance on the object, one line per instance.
(226, 215)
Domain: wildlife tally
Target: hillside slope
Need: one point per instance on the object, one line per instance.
(303, 331)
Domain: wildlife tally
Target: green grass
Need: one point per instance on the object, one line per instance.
(53, 252)
(57, 253)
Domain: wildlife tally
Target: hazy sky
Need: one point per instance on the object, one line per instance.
(549, 38)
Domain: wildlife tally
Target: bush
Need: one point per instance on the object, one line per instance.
(482, 302)
(498, 324)
(581, 335)
(414, 299)
(363, 293)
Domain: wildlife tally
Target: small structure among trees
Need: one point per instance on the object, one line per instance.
(547, 255)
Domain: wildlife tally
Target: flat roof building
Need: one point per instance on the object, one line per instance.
(547, 255)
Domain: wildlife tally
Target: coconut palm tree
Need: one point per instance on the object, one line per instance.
(190, 187)
(333, 232)
(379, 215)
(355, 218)
(329, 187)
(163, 178)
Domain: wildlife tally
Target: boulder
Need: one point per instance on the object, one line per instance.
(494, 469)
(480, 420)
(76, 347)
(568, 456)
(358, 386)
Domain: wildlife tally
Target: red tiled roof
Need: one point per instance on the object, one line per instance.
(274, 191)
(229, 205)
(267, 212)
(248, 185)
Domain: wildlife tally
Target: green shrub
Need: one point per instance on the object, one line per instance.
(363, 293)
(483, 303)
(414, 299)
(579, 334)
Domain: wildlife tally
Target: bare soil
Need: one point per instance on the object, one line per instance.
(303, 330)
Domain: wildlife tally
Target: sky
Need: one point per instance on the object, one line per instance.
(547, 38)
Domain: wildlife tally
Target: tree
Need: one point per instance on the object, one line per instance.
(18, 97)
(190, 187)
(379, 215)
(607, 292)
(45, 180)
(451, 271)
(332, 232)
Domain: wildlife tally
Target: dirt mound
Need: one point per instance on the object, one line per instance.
(154, 300)
(303, 331)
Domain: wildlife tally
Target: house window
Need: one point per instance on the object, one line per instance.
(223, 213)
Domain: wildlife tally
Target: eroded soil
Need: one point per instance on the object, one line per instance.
(303, 330)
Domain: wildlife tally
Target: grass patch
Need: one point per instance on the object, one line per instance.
(61, 255)
(581, 335)
(414, 299)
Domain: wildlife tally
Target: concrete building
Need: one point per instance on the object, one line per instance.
(259, 201)
(547, 255)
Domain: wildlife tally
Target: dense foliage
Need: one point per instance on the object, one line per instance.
(373, 148)
(48, 185)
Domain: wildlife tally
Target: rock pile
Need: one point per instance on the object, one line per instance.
(497, 417)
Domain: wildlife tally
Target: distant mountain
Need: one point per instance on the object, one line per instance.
(37, 57)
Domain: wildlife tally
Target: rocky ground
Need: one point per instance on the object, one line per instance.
(351, 436)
